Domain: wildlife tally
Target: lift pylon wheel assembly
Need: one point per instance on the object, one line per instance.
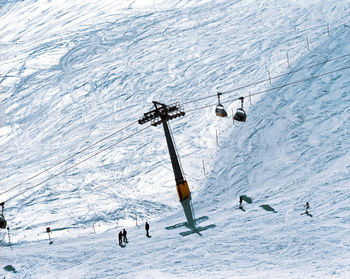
(161, 115)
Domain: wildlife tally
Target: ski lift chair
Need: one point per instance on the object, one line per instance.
(220, 110)
(240, 114)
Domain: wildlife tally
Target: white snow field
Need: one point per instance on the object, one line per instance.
(76, 76)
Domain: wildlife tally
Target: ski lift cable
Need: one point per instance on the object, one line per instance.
(193, 101)
(71, 167)
(274, 88)
(266, 80)
(288, 73)
(70, 157)
(206, 106)
(299, 81)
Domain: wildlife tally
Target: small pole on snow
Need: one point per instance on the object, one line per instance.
(250, 100)
(287, 58)
(328, 30)
(233, 120)
(48, 230)
(93, 227)
(136, 221)
(203, 167)
(269, 76)
(307, 42)
(8, 233)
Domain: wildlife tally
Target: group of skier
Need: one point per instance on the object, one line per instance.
(122, 235)
(307, 206)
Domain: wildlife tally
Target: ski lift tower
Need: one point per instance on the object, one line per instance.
(161, 115)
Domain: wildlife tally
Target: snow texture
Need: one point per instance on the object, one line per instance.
(75, 72)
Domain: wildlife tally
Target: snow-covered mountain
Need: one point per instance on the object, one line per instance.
(75, 77)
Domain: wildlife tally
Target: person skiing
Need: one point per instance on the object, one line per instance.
(147, 229)
(120, 236)
(240, 202)
(124, 236)
(307, 206)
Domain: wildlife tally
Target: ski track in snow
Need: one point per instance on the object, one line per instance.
(73, 73)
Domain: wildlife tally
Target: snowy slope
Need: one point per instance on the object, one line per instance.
(74, 73)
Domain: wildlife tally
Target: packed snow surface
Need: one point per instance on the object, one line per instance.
(76, 76)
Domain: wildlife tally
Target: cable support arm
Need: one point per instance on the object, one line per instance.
(162, 112)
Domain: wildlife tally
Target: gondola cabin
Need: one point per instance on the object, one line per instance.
(240, 114)
(3, 222)
(220, 111)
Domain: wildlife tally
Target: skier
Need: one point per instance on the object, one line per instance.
(147, 229)
(307, 206)
(240, 202)
(124, 236)
(120, 237)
